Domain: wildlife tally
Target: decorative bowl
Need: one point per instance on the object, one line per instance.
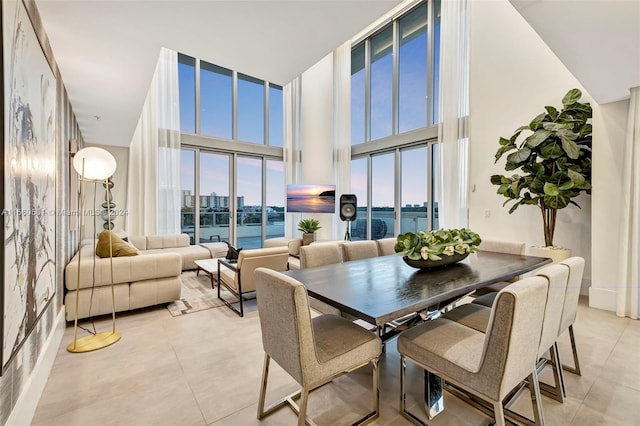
(431, 264)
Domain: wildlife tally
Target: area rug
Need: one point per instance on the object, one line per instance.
(197, 295)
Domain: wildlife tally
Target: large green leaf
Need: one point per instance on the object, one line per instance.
(570, 147)
(551, 189)
(559, 201)
(553, 113)
(519, 156)
(537, 122)
(537, 138)
(552, 149)
(496, 179)
(576, 177)
(503, 149)
(554, 127)
(571, 97)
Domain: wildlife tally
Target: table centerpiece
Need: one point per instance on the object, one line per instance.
(437, 248)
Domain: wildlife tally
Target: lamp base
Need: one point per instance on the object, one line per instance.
(94, 342)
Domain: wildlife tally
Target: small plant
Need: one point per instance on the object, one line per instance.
(555, 161)
(309, 226)
(433, 244)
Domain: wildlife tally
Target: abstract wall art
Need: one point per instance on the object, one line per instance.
(29, 210)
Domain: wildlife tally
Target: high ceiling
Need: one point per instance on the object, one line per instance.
(107, 50)
(597, 40)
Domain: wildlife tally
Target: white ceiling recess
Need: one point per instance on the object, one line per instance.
(107, 50)
(597, 40)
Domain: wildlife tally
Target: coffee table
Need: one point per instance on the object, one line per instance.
(209, 266)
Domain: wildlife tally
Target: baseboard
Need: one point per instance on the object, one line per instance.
(603, 298)
(27, 402)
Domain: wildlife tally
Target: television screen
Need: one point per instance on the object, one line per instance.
(311, 198)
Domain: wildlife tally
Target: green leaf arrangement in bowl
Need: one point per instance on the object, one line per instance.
(433, 249)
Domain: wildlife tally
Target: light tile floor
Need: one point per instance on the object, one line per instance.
(204, 369)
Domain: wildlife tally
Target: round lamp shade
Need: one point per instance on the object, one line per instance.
(99, 164)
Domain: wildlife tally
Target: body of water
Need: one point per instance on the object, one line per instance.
(311, 204)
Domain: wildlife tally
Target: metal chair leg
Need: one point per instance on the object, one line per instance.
(302, 414)
(536, 399)
(263, 386)
(576, 363)
(498, 412)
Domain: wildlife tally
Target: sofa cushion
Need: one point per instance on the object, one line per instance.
(118, 246)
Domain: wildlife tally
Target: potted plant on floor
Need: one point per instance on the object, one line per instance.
(554, 162)
(308, 228)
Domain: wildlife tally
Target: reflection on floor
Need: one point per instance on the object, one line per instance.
(204, 369)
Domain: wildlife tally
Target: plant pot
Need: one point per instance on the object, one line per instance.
(555, 253)
(431, 264)
(308, 238)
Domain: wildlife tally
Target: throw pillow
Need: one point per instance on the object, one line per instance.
(118, 246)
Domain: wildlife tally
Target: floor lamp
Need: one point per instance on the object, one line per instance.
(93, 165)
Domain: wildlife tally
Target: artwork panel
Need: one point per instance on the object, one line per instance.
(5, 397)
(29, 181)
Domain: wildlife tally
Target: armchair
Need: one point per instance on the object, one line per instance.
(238, 277)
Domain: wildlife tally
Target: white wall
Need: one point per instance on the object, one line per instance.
(513, 75)
(609, 125)
(317, 134)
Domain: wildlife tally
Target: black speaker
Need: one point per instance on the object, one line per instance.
(348, 203)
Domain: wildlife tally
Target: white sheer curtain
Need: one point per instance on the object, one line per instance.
(292, 111)
(153, 198)
(341, 129)
(628, 294)
(454, 107)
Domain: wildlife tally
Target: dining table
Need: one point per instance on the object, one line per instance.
(384, 291)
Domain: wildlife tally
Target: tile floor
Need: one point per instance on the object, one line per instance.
(204, 369)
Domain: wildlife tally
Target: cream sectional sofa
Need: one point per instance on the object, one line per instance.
(151, 278)
(140, 281)
(177, 243)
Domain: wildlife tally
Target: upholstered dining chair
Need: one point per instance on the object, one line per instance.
(386, 246)
(487, 365)
(320, 254)
(312, 351)
(497, 246)
(239, 279)
(576, 270)
(477, 317)
(356, 250)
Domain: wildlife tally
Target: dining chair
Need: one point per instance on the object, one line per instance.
(477, 317)
(576, 270)
(386, 246)
(497, 246)
(487, 365)
(313, 351)
(321, 254)
(356, 250)
(240, 280)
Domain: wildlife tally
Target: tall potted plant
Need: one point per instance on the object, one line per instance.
(553, 161)
(308, 228)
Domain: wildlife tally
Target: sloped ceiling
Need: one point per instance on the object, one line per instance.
(597, 40)
(107, 50)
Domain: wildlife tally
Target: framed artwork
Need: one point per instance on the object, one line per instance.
(29, 173)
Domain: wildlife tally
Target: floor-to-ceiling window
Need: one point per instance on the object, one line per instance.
(232, 157)
(394, 123)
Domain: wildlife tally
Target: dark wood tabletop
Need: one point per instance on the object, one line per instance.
(384, 288)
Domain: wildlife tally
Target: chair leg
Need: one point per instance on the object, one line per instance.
(536, 399)
(498, 412)
(576, 363)
(403, 395)
(302, 415)
(263, 386)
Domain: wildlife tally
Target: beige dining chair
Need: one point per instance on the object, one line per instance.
(312, 351)
(477, 317)
(321, 254)
(576, 271)
(240, 280)
(386, 246)
(487, 365)
(356, 250)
